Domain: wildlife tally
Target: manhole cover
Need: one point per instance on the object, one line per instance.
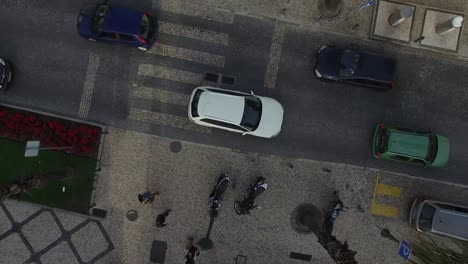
(132, 215)
(176, 147)
(306, 219)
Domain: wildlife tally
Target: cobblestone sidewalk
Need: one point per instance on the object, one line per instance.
(184, 174)
(350, 22)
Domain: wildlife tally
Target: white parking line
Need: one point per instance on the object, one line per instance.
(188, 55)
(88, 86)
(184, 7)
(166, 120)
(161, 95)
(275, 55)
(194, 33)
(170, 74)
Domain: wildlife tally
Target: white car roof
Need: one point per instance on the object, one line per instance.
(220, 106)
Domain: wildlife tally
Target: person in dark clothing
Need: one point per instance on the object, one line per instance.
(146, 197)
(192, 254)
(162, 218)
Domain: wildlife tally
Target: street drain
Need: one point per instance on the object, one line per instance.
(306, 219)
(299, 256)
(132, 215)
(211, 77)
(228, 80)
(175, 146)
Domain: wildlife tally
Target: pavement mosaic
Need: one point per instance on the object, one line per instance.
(38, 235)
(351, 21)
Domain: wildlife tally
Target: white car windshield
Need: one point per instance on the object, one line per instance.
(252, 113)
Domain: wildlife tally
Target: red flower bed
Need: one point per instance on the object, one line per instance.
(51, 131)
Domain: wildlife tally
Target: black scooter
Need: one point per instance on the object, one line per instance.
(214, 203)
(218, 191)
(244, 207)
(335, 207)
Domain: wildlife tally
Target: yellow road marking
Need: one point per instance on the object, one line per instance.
(384, 210)
(388, 190)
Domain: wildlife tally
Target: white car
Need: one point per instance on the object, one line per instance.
(236, 111)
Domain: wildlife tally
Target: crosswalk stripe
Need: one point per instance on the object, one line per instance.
(188, 55)
(88, 86)
(161, 95)
(166, 120)
(194, 33)
(170, 74)
(275, 55)
(196, 9)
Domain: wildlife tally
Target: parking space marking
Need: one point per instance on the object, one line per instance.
(275, 55)
(170, 74)
(384, 210)
(188, 55)
(388, 190)
(160, 95)
(166, 120)
(385, 190)
(196, 9)
(88, 86)
(194, 33)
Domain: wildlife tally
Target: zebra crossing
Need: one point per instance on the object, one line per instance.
(145, 94)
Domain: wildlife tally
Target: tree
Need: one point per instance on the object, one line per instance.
(428, 251)
(330, 8)
(34, 182)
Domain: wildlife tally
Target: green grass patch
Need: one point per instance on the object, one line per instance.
(77, 194)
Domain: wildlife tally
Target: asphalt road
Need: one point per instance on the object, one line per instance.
(323, 121)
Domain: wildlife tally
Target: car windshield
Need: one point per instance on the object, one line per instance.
(252, 113)
(2, 73)
(432, 151)
(348, 63)
(98, 23)
(383, 144)
(426, 217)
(145, 26)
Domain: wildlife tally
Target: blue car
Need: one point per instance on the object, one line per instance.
(118, 25)
(354, 67)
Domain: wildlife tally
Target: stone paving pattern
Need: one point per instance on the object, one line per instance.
(133, 163)
(305, 13)
(42, 235)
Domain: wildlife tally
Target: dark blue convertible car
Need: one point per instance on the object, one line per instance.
(361, 68)
(118, 25)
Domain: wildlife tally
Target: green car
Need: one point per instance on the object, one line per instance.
(401, 144)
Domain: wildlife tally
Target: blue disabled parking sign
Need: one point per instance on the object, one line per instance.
(405, 250)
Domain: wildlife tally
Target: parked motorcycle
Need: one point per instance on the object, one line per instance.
(244, 207)
(218, 191)
(335, 207)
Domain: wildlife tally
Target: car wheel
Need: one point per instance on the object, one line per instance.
(91, 39)
(142, 48)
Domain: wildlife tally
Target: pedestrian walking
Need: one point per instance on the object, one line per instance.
(162, 218)
(192, 253)
(146, 197)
